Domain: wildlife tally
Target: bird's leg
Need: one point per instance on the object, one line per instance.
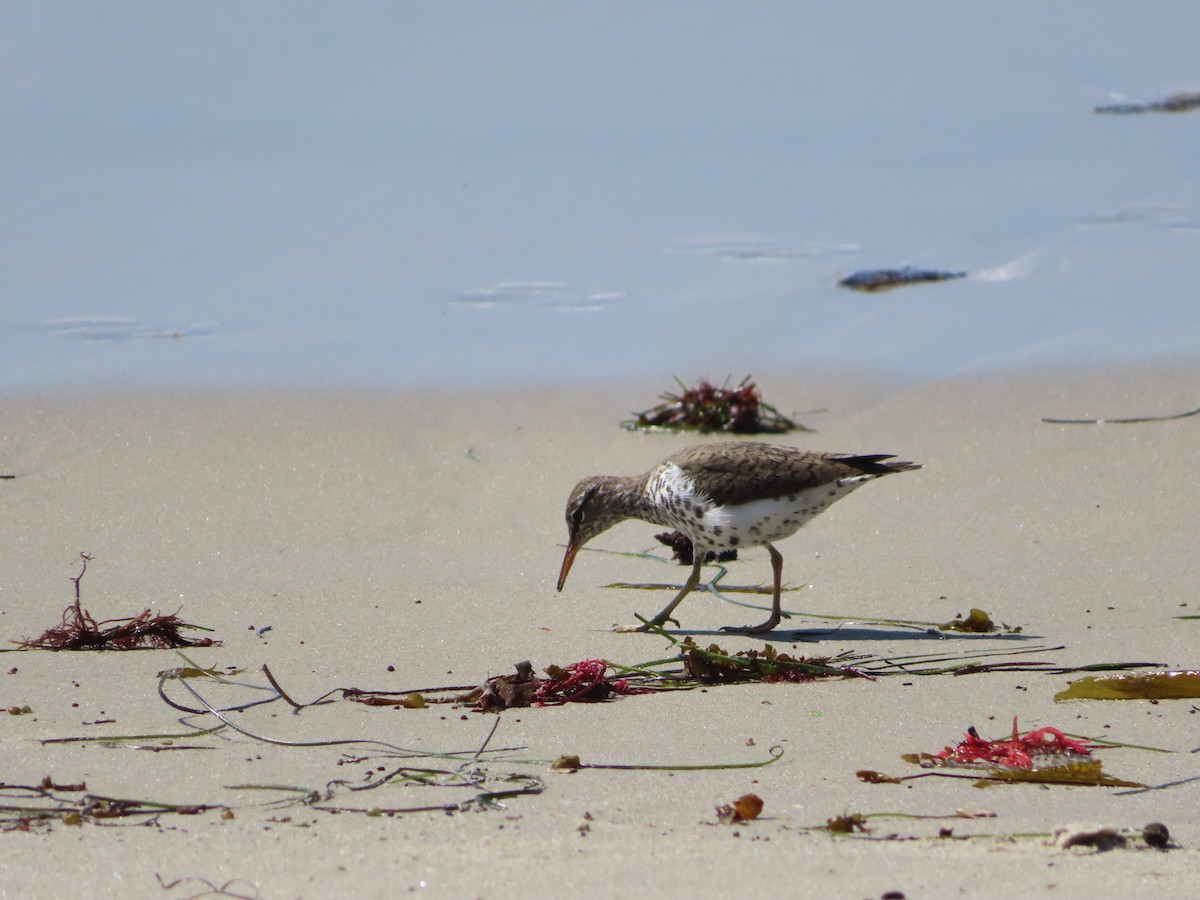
(777, 568)
(665, 615)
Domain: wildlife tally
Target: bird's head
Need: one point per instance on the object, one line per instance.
(593, 507)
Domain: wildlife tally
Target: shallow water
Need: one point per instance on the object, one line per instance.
(277, 193)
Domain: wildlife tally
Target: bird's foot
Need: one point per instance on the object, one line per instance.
(761, 628)
(656, 622)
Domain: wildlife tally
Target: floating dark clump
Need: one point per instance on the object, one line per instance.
(873, 281)
(78, 630)
(1183, 101)
(707, 408)
(682, 550)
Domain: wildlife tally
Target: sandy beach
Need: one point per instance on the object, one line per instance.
(395, 541)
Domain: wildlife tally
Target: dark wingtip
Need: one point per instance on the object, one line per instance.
(876, 464)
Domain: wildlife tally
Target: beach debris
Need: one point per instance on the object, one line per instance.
(1104, 838)
(584, 681)
(707, 408)
(25, 807)
(1157, 835)
(717, 664)
(745, 808)
(847, 823)
(1045, 755)
(505, 691)
(977, 621)
(581, 682)
(870, 776)
(1016, 752)
(568, 762)
(1134, 686)
(1129, 421)
(1180, 101)
(875, 281)
(1090, 837)
(78, 630)
(681, 549)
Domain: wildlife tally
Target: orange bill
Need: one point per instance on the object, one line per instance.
(572, 549)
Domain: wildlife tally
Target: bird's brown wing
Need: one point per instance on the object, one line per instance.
(735, 472)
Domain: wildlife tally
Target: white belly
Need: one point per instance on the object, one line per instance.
(715, 529)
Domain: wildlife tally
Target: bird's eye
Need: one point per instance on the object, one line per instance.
(577, 512)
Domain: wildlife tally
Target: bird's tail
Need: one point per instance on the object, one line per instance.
(876, 464)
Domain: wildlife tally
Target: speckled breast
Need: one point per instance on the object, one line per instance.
(678, 504)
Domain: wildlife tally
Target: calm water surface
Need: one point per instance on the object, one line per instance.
(388, 194)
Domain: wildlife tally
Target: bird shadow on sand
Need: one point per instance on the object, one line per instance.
(857, 633)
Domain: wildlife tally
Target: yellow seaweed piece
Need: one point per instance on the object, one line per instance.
(1134, 686)
(1082, 772)
(976, 622)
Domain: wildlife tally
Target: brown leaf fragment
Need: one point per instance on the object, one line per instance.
(507, 691)
(568, 762)
(748, 807)
(745, 808)
(847, 823)
(47, 784)
(872, 777)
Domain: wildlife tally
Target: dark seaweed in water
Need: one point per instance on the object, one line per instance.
(1184, 101)
(875, 280)
(706, 407)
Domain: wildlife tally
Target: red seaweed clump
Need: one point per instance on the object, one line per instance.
(1017, 752)
(79, 630)
(708, 408)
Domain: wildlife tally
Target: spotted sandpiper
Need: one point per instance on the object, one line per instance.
(722, 496)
